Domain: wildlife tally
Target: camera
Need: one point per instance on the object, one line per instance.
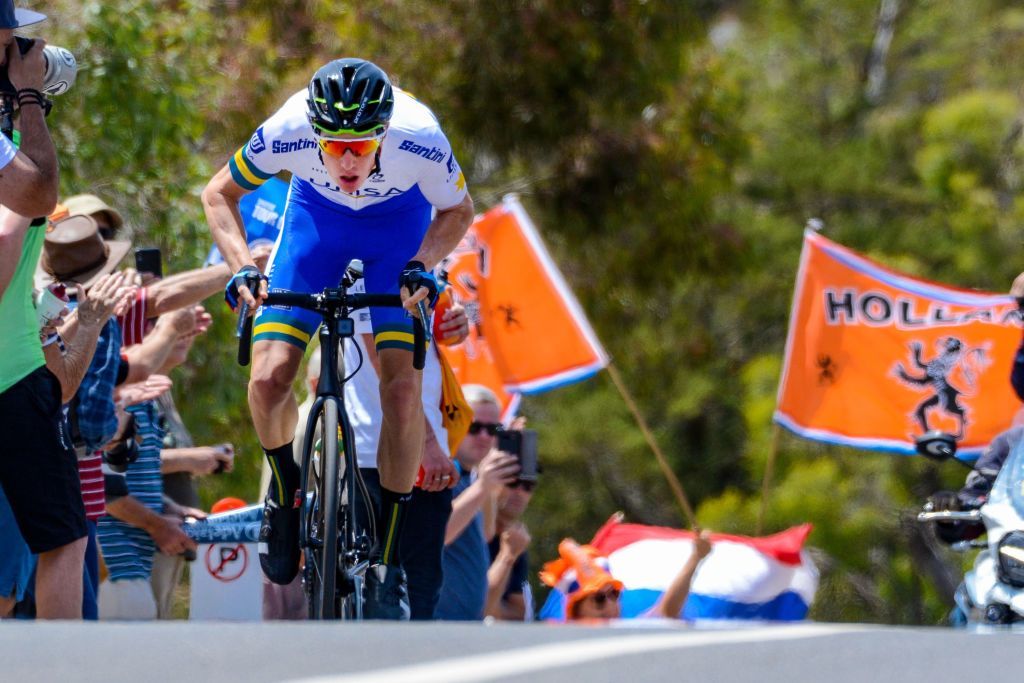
(61, 69)
(522, 444)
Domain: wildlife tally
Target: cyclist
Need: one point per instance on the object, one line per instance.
(374, 178)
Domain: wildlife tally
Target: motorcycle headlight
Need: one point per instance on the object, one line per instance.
(1011, 559)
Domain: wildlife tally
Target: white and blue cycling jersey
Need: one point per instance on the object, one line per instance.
(324, 228)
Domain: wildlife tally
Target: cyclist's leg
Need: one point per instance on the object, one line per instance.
(304, 262)
(402, 427)
(275, 413)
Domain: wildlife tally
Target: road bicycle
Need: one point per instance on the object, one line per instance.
(335, 545)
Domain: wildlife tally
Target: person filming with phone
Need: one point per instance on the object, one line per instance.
(484, 470)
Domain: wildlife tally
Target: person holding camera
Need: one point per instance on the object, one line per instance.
(38, 469)
(508, 587)
(484, 471)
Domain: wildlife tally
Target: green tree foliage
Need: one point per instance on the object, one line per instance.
(671, 153)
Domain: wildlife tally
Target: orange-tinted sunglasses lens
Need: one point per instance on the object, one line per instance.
(337, 148)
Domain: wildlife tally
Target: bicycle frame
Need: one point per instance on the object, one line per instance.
(319, 513)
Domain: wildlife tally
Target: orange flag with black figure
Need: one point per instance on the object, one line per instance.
(528, 333)
(875, 357)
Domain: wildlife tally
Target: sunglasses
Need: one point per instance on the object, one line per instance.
(605, 596)
(492, 427)
(360, 148)
(527, 486)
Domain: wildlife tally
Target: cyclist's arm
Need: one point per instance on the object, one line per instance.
(220, 202)
(445, 233)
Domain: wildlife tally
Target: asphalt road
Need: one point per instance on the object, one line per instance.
(445, 652)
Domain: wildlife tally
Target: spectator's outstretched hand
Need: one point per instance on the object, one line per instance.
(182, 321)
(132, 277)
(261, 255)
(170, 537)
(139, 392)
(111, 295)
(702, 544)
(203, 320)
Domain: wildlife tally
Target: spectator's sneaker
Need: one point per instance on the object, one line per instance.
(386, 594)
(279, 542)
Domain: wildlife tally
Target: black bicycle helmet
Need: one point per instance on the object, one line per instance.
(349, 96)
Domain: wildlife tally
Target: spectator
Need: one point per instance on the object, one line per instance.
(139, 520)
(484, 470)
(92, 420)
(180, 462)
(108, 218)
(37, 467)
(421, 547)
(593, 593)
(508, 588)
(1017, 369)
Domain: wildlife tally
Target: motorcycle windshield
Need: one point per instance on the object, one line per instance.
(1007, 487)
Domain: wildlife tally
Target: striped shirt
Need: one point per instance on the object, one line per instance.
(128, 550)
(133, 322)
(90, 473)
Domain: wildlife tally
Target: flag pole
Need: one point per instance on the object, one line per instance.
(769, 468)
(670, 476)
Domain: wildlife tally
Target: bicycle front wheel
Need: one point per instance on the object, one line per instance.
(324, 596)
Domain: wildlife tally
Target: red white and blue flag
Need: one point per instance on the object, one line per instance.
(761, 578)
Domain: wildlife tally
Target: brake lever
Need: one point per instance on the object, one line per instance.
(425, 319)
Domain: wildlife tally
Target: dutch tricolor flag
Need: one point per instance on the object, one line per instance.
(763, 578)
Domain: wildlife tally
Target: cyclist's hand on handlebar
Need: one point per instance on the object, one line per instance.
(247, 286)
(416, 284)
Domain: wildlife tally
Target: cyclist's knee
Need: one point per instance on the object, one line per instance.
(274, 371)
(400, 396)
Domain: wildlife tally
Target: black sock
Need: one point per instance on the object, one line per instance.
(284, 474)
(389, 531)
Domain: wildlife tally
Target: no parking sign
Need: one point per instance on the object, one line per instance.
(226, 578)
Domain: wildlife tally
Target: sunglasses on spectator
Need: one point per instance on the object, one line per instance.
(605, 596)
(360, 147)
(492, 427)
(527, 486)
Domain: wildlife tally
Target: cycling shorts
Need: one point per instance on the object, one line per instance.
(316, 243)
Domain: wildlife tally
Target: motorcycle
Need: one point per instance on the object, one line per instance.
(992, 591)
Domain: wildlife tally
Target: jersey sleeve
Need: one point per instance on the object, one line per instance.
(255, 164)
(443, 183)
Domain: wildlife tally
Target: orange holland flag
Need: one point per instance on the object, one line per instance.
(875, 358)
(528, 333)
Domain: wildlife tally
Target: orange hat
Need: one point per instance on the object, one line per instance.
(578, 572)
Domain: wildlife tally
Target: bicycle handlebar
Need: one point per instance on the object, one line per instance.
(328, 303)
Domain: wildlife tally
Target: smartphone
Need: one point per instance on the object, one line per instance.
(148, 260)
(523, 445)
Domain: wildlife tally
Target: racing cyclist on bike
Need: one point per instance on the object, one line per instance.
(373, 178)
